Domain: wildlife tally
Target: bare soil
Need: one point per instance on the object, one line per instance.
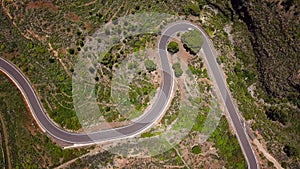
(106, 125)
(41, 4)
(73, 17)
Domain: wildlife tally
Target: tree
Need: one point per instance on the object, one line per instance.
(51, 60)
(277, 114)
(192, 41)
(71, 51)
(173, 47)
(290, 151)
(192, 9)
(150, 65)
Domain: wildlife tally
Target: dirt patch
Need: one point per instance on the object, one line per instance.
(87, 26)
(121, 163)
(41, 4)
(63, 51)
(89, 3)
(55, 53)
(10, 55)
(184, 58)
(73, 17)
(262, 148)
(31, 128)
(104, 126)
(156, 77)
(6, 10)
(180, 85)
(183, 54)
(92, 152)
(35, 35)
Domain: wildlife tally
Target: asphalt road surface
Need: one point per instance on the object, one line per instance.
(217, 76)
(79, 139)
(150, 117)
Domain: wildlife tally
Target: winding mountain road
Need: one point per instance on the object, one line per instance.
(150, 117)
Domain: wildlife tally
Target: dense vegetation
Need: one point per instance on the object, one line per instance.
(276, 38)
(173, 47)
(139, 93)
(228, 146)
(275, 41)
(28, 146)
(192, 41)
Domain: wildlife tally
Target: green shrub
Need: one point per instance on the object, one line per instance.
(173, 47)
(150, 65)
(177, 69)
(71, 51)
(196, 149)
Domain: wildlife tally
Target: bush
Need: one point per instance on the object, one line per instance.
(173, 47)
(290, 151)
(276, 114)
(177, 69)
(196, 150)
(71, 51)
(150, 65)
